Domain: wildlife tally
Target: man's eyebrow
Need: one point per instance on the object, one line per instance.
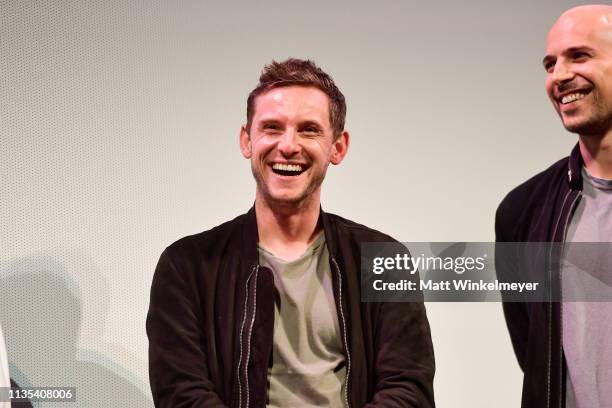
(567, 51)
(269, 121)
(578, 48)
(311, 123)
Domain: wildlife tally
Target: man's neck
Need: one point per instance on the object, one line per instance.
(287, 230)
(596, 151)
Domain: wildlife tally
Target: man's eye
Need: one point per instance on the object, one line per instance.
(271, 128)
(548, 66)
(580, 55)
(310, 129)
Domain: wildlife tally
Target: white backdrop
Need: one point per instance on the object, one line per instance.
(119, 134)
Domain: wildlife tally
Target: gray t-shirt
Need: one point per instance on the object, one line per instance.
(587, 326)
(308, 367)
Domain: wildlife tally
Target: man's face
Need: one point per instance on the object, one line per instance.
(290, 144)
(578, 63)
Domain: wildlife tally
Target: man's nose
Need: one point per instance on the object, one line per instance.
(562, 73)
(289, 143)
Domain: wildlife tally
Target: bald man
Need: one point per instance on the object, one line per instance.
(563, 347)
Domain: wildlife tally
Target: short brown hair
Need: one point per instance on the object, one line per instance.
(304, 73)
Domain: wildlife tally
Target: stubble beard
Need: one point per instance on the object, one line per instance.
(598, 123)
(297, 202)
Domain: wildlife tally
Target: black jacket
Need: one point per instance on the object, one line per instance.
(211, 319)
(22, 402)
(540, 210)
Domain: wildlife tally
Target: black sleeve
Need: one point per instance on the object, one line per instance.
(404, 362)
(515, 313)
(21, 403)
(177, 363)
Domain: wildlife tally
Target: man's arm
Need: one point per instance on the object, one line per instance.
(177, 363)
(404, 361)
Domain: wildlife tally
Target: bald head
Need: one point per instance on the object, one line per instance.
(595, 18)
(597, 10)
(578, 63)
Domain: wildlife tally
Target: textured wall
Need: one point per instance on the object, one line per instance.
(119, 134)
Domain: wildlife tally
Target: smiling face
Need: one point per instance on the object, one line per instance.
(290, 144)
(578, 64)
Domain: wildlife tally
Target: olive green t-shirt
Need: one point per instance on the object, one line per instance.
(308, 367)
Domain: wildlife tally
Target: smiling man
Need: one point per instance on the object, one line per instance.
(563, 347)
(265, 310)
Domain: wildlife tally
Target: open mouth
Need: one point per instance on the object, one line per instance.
(572, 97)
(283, 169)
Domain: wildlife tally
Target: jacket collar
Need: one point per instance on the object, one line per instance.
(330, 229)
(250, 236)
(574, 172)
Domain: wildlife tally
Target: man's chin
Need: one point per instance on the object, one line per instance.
(283, 198)
(294, 197)
(586, 127)
(288, 202)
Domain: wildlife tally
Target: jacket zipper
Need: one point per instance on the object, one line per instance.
(566, 224)
(567, 221)
(344, 333)
(255, 271)
(250, 332)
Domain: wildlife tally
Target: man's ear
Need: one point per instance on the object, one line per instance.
(245, 142)
(340, 148)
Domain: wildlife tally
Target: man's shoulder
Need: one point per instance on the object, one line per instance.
(525, 202)
(203, 242)
(356, 231)
(535, 188)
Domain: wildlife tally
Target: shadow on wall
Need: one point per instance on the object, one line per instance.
(40, 311)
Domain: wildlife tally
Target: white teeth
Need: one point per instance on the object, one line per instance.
(572, 97)
(287, 167)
